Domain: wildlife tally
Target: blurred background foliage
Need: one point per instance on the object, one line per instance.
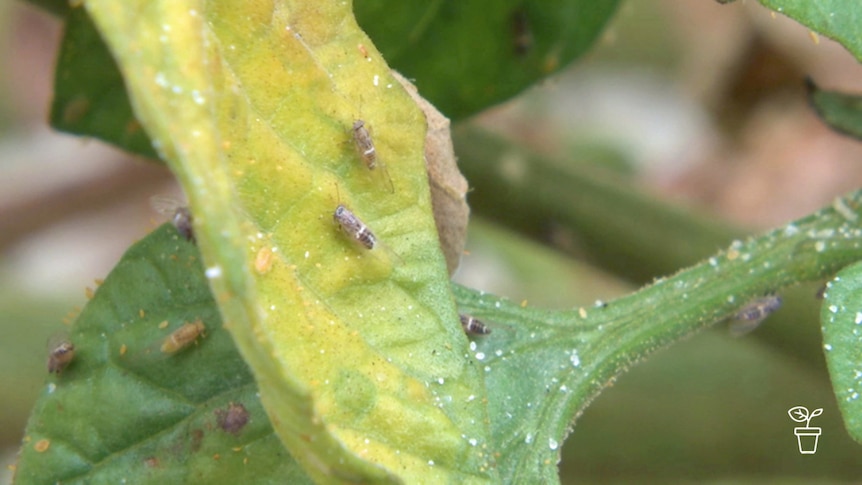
(690, 104)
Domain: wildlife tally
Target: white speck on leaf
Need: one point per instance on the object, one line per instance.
(161, 80)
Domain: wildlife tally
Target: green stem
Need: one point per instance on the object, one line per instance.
(622, 229)
(569, 357)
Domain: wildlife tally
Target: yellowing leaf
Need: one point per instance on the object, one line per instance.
(358, 353)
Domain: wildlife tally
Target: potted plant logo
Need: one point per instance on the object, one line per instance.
(806, 436)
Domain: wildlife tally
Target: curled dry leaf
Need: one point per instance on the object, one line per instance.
(448, 186)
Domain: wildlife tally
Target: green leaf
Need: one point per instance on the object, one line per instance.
(123, 408)
(125, 411)
(841, 318)
(89, 95)
(358, 353)
(467, 56)
(837, 19)
(462, 69)
(843, 112)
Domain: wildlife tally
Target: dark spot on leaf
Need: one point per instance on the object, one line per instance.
(151, 462)
(75, 110)
(197, 438)
(133, 127)
(233, 419)
(522, 33)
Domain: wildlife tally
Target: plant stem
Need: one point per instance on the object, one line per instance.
(624, 230)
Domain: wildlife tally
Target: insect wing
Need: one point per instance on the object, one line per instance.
(753, 314)
(165, 205)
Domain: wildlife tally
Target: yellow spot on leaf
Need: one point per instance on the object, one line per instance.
(76, 109)
(42, 445)
(263, 260)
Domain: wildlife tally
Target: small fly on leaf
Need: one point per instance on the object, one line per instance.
(364, 144)
(358, 231)
(182, 337)
(353, 227)
(752, 314)
(367, 151)
(61, 351)
(180, 215)
(473, 326)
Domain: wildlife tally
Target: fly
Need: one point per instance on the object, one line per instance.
(473, 326)
(367, 151)
(180, 215)
(751, 315)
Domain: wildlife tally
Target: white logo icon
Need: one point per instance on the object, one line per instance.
(806, 436)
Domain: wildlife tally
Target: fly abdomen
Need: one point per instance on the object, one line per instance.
(353, 227)
(473, 326)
